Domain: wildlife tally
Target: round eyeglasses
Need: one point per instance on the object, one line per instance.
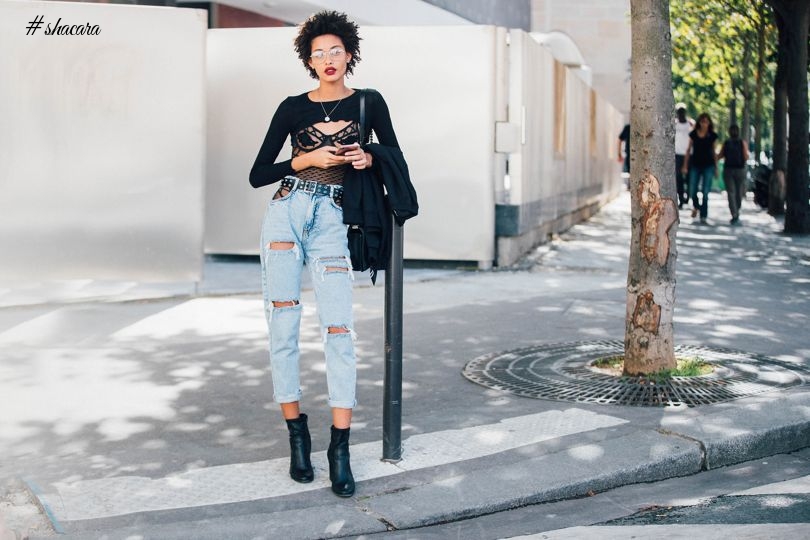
(334, 53)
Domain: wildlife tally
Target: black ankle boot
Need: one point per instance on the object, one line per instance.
(340, 471)
(300, 445)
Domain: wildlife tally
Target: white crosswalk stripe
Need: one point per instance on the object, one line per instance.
(92, 499)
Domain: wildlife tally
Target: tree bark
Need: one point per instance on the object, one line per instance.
(776, 185)
(732, 109)
(745, 131)
(796, 17)
(649, 341)
(760, 77)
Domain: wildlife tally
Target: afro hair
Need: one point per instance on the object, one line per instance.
(328, 22)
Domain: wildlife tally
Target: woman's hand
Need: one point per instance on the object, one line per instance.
(357, 157)
(363, 161)
(322, 158)
(327, 157)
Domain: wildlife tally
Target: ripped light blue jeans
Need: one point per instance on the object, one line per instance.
(313, 224)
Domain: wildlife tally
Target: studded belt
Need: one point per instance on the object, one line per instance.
(316, 188)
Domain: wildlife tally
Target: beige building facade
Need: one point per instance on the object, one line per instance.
(601, 31)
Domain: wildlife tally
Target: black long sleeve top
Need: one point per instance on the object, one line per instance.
(703, 149)
(302, 120)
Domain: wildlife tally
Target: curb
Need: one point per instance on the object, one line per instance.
(578, 471)
(739, 432)
(747, 429)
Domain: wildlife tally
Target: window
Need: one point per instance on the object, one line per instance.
(559, 108)
(593, 115)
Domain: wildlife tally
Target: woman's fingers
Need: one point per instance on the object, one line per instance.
(360, 161)
(327, 157)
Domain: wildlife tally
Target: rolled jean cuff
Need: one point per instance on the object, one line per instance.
(343, 404)
(292, 398)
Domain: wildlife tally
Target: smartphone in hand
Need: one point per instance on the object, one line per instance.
(343, 149)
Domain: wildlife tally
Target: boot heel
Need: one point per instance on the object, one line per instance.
(300, 448)
(340, 470)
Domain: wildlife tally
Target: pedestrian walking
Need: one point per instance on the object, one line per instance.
(303, 224)
(700, 161)
(624, 141)
(683, 125)
(735, 153)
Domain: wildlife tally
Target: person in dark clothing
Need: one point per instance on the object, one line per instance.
(624, 138)
(304, 224)
(700, 155)
(735, 153)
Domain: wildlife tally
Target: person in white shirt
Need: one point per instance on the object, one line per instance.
(683, 125)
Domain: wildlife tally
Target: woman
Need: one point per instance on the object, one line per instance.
(304, 224)
(700, 155)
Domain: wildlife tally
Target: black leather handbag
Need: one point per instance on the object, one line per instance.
(358, 248)
(356, 236)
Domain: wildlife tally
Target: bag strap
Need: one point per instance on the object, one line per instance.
(362, 117)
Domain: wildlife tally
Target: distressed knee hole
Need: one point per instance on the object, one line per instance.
(281, 245)
(333, 265)
(288, 303)
(337, 330)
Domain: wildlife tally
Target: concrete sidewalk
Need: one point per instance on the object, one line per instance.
(155, 418)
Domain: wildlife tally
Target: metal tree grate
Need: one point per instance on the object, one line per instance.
(562, 372)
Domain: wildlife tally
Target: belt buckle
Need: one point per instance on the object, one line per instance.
(309, 186)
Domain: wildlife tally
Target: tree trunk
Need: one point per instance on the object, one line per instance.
(776, 185)
(745, 131)
(760, 77)
(732, 110)
(648, 341)
(795, 18)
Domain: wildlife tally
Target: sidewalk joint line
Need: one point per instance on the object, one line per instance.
(379, 517)
(703, 461)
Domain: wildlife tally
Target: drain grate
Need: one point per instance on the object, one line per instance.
(562, 372)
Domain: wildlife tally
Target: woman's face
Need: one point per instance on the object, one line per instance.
(328, 57)
(704, 123)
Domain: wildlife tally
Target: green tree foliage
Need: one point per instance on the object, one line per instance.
(715, 51)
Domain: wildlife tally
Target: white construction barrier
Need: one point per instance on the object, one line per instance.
(102, 141)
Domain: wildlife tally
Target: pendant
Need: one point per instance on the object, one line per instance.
(325, 118)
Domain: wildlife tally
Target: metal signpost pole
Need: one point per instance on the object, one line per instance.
(392, 400)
